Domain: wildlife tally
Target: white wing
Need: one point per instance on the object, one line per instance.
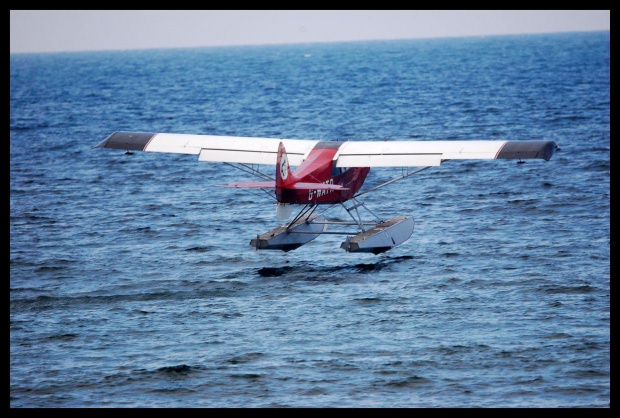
(230, 149)
(248, 150)
(432, 153)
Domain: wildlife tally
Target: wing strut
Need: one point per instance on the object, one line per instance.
(393, 180)
(250, 170)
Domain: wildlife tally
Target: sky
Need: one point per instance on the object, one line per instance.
(89, 30)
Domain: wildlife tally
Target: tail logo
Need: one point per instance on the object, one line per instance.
(284, 167)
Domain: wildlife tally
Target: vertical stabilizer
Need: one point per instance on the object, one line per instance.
(284, 175)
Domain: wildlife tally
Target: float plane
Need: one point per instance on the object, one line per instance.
(327, 174)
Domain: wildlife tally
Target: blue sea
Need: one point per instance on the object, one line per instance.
(133, 284)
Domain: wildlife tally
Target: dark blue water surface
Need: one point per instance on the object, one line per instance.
(132, 282)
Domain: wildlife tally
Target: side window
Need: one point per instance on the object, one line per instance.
(336, 171)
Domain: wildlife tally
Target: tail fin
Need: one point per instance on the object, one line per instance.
(284, 176)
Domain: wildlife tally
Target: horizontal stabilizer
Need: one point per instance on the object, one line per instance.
(317, 186)
(251, 185)
(272, 185)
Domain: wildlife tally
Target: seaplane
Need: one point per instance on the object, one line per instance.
(327, 174)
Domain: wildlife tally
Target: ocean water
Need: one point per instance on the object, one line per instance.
(132, 282)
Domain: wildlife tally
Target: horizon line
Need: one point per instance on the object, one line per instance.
(309, 42)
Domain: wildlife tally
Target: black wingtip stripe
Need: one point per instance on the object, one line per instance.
(134, 141)
(527, 149)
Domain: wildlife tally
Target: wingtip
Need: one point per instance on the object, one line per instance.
(527, 150)
(549, 150)
(131, 141)
(103, 143)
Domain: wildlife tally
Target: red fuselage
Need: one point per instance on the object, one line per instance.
(319, 167)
